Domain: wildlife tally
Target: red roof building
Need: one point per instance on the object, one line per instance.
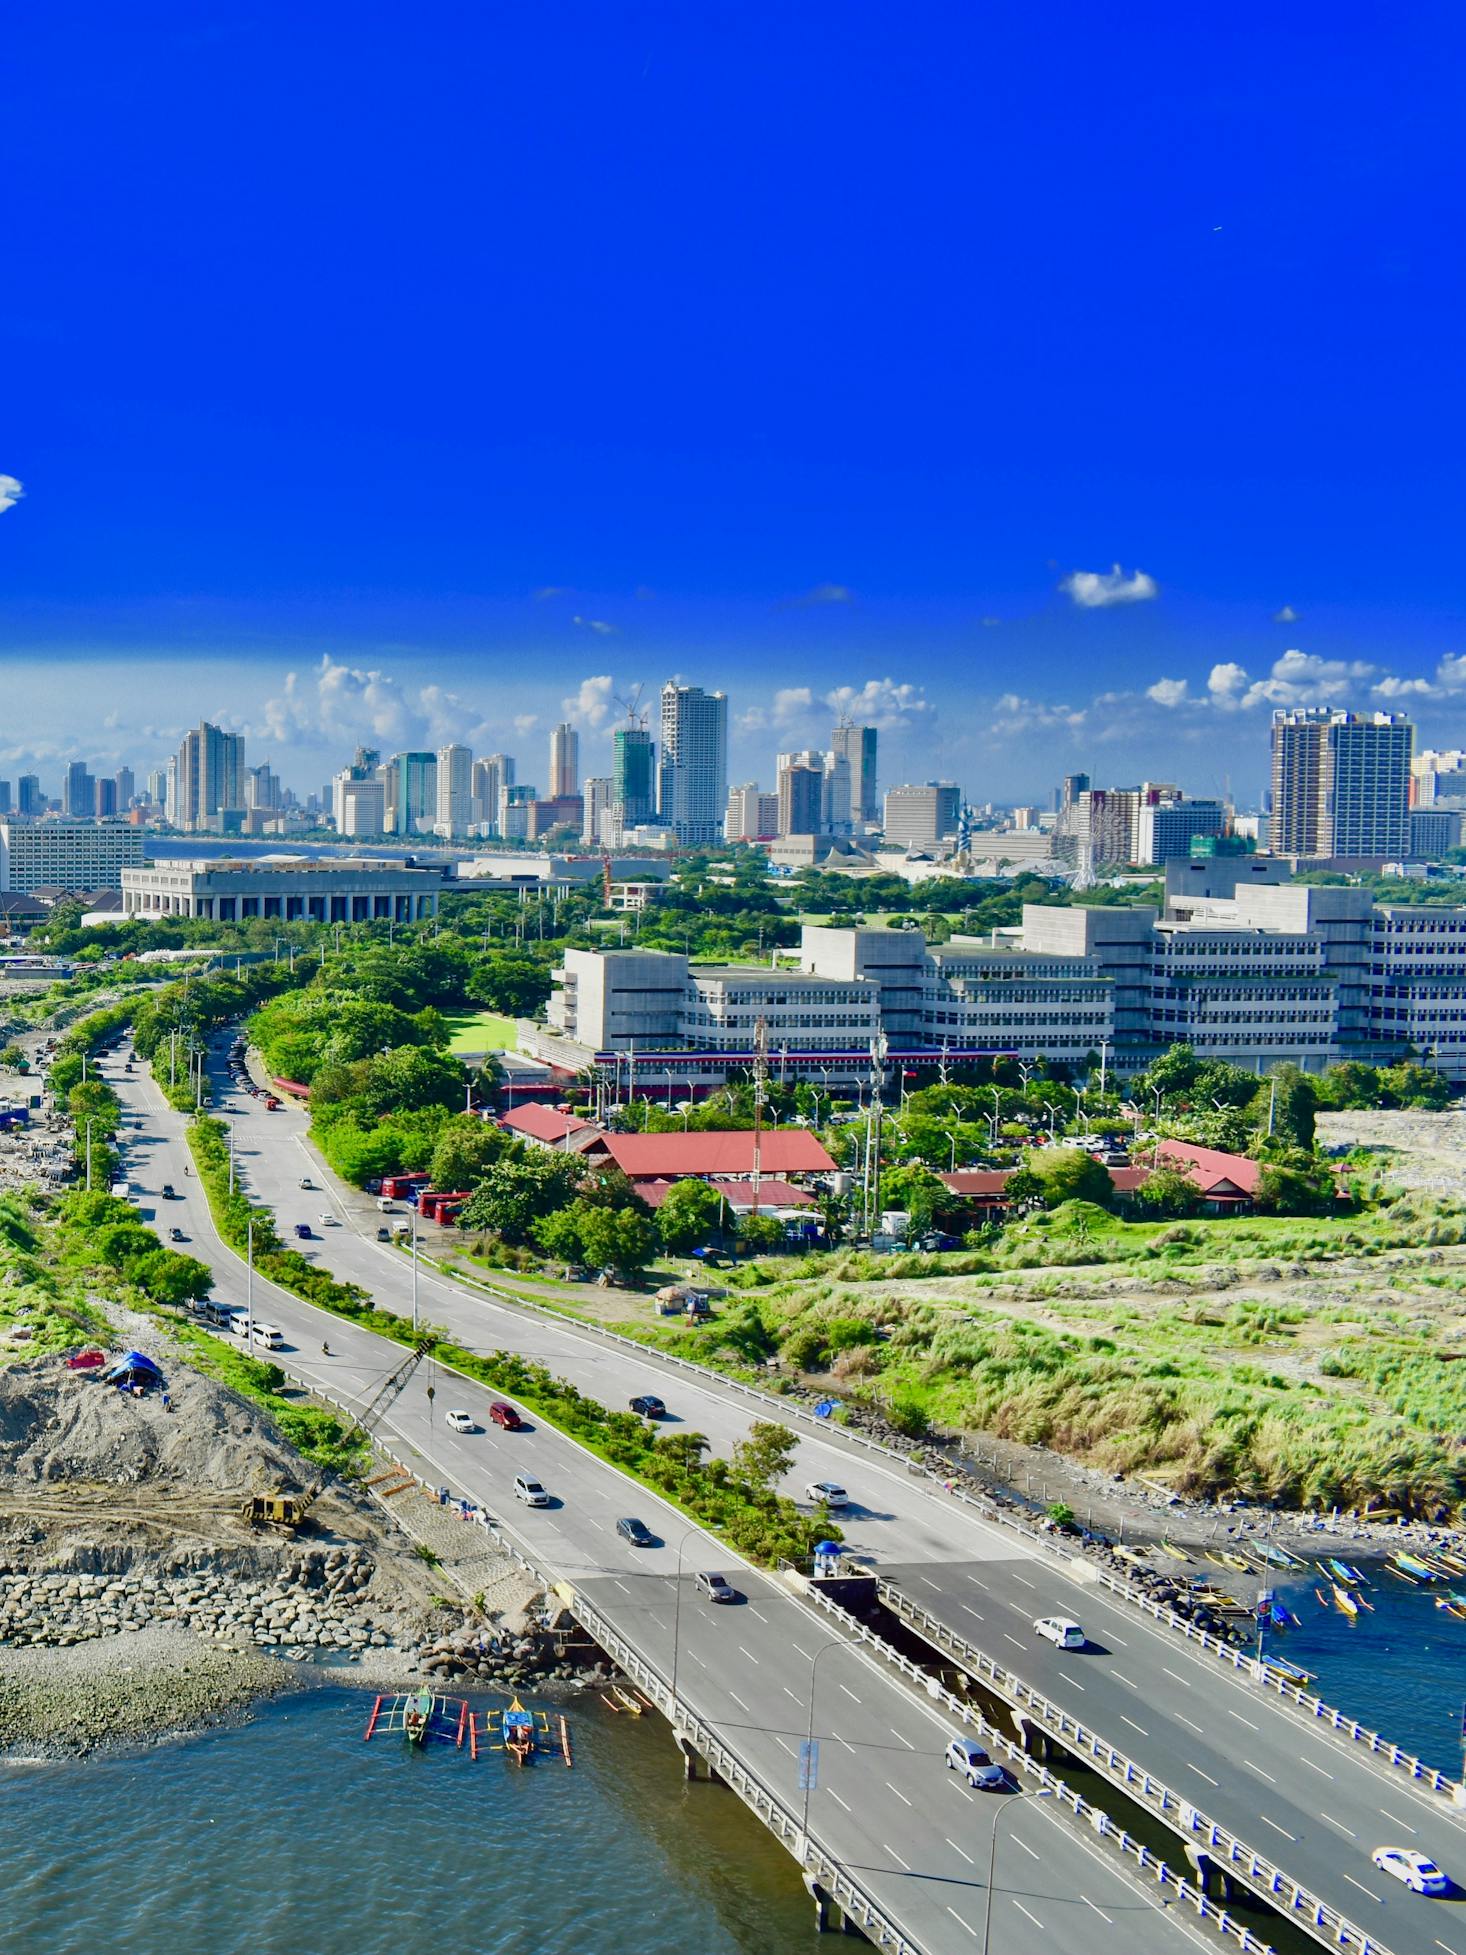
(710, 1156)
(774, 1197)
(1229, 1178)
(547, 1126)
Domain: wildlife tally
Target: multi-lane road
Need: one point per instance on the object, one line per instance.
(911, 1833)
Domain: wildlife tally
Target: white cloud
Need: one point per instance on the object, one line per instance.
(886, 703)
(1012, 713)
(1225, 683)
(1287, 616)
(1169, 692)
(791, 704)
(525, 723)
(598, 625)
(1094, 590)
(589, 706)
(10, 493)
(1305, 679)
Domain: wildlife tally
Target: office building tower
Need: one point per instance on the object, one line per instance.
(1174, 831)
(76, 855)
(597, 823)
(208, 778)
(4, 797)
(78, 792)
(455, 790)
(1438, 778)
(360, 806)
(633, 774)
(692, 781)
(564, 762)
(801, 787)
(1101, 826)
(837, 813)
(1341, 783)
(489, 779)
(1069, 791)
(919, 815)
(515, 807)
(157, 786)
(857, 744)
(410, 782)
(104, 797)
(29, 800)
(126, 792)
(261, 789)
(752, 815)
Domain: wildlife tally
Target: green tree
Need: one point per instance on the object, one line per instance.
(618, 1239)
(690, 1215)
(1168, 1192)
(172, 1279)
(14, 1060)
(761, 1235)
(765, 1454)
(465, 1150)
(924, 1196)
(121, 1244)
(1295, 1187)
(1069, 1174)
(1284, 1107)
(1413, 1085)
(519, 1189)
(516, 986)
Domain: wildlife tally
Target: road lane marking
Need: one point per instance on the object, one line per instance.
(754, 1612)
(1242, 1720)
(1026, 1847)
(896, 1856)
(1098, 1910)
(963, 1924)
(749, 1654)
(780, 1742)
(1175, 1679)
(1348, 1830)
(1015, 1642)
(1133, 1725)
(1120, 1677)
(1393, 1821)
(927, 1583)
(1445, 1945)
(957, 1849)
(1025, 1581)
(1261, 1773)
(850, 1694)
(1280, 1829)
(898, 1792)
(899, 1739)
(1361, 1886)
(802, 1651)
(789, 1693)
(1200, 1773)
(1317, 1768)
(1195, 1727)
(973, 1613)
(1032, 1917)
(837, 1799)
(740, 1703)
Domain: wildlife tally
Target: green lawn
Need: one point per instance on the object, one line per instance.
(481, 1031)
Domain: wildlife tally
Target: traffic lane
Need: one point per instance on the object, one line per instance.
(1243, 1771)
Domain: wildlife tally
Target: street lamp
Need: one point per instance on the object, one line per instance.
(1007, 1806)
(677, 1609)
(808, 1759)
(413, 1213)
(89, 1157)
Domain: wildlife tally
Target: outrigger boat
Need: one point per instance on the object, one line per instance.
(1281, 1617)
(1349, 1602)
(523, 1735)
(619, 1698)
(1176, 1554)
(1224, 1558)
(1343, 1571)
(418, 1715)
(1273, 1556)
(1293, 1672)
(1415, 1570)
(1452, 1605)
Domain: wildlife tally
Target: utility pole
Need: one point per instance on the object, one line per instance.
(872, 1191)
(249, 1281)
(413, 1213)
(760, 1083)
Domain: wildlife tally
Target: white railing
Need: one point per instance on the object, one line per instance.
(1223, 1846)
(776, 1407)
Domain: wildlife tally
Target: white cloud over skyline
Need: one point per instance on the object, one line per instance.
(11, 492)
(1096, 590)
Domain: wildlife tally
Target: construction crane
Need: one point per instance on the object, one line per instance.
(636, 713)
(289, 1510)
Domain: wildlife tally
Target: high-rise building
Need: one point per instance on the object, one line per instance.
(489, 778)
(157, 786)
(838, 805)
(4, 797)
(208, 778)
(1069, 791)
(360, 806)
(752, 815)
(122, 781)
(692, 782)
(633, 774)
(455, 790)
(410, 783)
(857, 744)
(77, 855)
(1166, 831)
(1438, 776)
(78, 792)
(1101, 826)
(516, 805)
(104, 797)
(919, 815)
(564, 761)
(1341, 783)
(29, 800)
(801, 794)
(599, 826)
(261, 788)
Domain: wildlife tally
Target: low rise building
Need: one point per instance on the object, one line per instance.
(291, 889)
(74, 855)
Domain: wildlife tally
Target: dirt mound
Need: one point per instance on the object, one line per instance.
(60, 1425)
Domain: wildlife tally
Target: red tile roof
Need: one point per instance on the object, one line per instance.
(543, 1123)
(1210, 1167)
(649, 1157)
(738, 1194)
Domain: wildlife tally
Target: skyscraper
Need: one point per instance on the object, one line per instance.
(633, 774)
(29, 800)
(261, 788)
(921, 814)
(564, 761)
(104, 797)
(489, 778)
(801, 787)
(1341, 783)
(857, 744)
(455, 790)
(600, 826)
(78, 791)
(125, 788)
(208, 777)
(692, 784)
(410, 785)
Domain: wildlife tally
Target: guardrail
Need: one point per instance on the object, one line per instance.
(1082, 1808)
(1224, 1847)
(1306, 1701)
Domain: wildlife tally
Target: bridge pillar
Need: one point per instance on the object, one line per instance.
(1031, 1735)
(829, 1917)
(1207, 1870)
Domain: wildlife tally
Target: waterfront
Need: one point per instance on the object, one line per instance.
(290, 1832)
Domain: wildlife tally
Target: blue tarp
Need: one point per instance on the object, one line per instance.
(133, 1365)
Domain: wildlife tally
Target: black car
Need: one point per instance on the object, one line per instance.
(637, 1533)
(649, 1406)
(177, 1235)
(169, 1192)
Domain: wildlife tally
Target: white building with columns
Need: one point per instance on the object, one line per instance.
(289, 890)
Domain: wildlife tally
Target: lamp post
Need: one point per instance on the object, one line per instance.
(89, 1157)
(249, 1283)
(807, 1772)
(413, 1213)
(1007, 1806)
(231, 1160)
(677, 1608)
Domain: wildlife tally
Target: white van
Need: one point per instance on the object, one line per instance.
(385, 1205)
(270, 1335)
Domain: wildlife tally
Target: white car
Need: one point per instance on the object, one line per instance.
(326, 1219)
(529, 1490)
(827, 1493)
(461, 1422)
(1058, 1630)
(969, 1758)
(1420, 1875)
(270, 1335)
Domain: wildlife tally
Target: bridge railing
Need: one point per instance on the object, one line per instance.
(1289, 1692)
(1224, 1849)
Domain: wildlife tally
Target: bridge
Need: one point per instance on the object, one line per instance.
(920, 1537)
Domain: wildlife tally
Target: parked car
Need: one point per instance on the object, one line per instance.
(637, 1533)
(529, 1490)
(649, 1406)
(169, 1192)
(1420, 1875)
(303, 1229)
(270, 1335)
(964, 1755)
(505, 1416)
(717, 1588)
(327, 1219)
(827, 1493)
(306, 1182)
(1058, 1630)
(459, 1421)
(384, 1234)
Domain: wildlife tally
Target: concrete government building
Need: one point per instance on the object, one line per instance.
(314, 892)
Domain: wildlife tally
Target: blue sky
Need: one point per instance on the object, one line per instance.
(403, 373)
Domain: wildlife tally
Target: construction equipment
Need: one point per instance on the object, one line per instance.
(289, 1510)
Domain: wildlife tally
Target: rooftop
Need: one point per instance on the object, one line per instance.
(649, 1157)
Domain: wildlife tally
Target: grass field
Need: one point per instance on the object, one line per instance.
(481, 1031)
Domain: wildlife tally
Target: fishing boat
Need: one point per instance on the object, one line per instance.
(1414, 1569)
(1281, 1617)
(1451, 1558)
(619, 1698)
(1137, 1556)
(1344, 1571)
(517, 1725)
(418, 1715)
(1292, 1672)
(1347, 1601)
(525, 1734)
(1273, 1556)
(1176, 1554)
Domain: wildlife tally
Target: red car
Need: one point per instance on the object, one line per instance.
(505, 1416)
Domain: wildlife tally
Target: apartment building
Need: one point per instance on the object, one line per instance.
(79, 855)
(1341, 784)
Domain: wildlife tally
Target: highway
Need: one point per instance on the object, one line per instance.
(884, 1807)
(1310, 1801)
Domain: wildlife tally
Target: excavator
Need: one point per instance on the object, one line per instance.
(289, 1510)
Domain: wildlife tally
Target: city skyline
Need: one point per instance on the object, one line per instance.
(1033, 549)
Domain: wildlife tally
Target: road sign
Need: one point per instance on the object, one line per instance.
(809, 1765)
